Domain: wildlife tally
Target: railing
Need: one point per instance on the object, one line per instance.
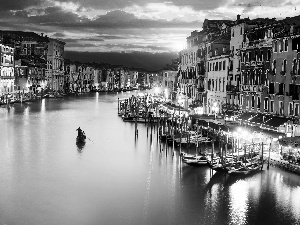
(201, 89)
(232, 88)
(251, 88)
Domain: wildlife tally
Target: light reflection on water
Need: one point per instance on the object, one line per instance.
(238, 203)
(117, 179)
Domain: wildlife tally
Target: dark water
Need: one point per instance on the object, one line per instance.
(114, 179)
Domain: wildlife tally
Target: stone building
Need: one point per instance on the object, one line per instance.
(7, 76)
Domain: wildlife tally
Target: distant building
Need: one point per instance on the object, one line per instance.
(169, 83)
(55, 64)
(217, 75)
(7, 76)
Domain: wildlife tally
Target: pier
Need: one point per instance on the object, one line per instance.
(206, 136)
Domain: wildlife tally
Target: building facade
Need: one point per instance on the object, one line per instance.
(7, 76)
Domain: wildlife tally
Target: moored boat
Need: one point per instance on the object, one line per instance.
(199, 160)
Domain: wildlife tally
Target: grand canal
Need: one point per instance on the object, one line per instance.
(117, 179)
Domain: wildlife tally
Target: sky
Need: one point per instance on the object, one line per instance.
(130, 26)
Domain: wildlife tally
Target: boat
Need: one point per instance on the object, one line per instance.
(254, 167)
(194, 159)
(80, 139)
(48, 96)
(238, 168)
(128, 118)
(199, 160)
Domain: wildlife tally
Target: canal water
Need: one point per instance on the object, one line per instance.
(117, 179)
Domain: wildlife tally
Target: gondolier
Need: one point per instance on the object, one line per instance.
(80, 137)
(79, 131)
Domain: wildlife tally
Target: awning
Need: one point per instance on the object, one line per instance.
(275, 122)
(246, 116)
(259, 119)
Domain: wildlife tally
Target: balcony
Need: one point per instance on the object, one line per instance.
(232, 88)
(201, 89)
(251, 88)
(7, 77)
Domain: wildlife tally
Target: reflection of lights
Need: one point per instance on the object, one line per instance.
(43, 108)
(156, 90)
(239, 202)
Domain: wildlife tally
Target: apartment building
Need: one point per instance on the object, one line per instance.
(7, 76)
(55, 64)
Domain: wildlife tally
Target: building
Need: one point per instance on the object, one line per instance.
(283, 78)
(188, 69)
(7, 76)
(217, 75)
(169, 84)
(30, 58)
(55, 64)
(133, 74)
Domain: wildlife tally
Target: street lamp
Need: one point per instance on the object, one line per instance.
(215, 109)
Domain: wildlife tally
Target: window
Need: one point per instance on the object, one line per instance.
(241, 31)
(252, 101)
(220, 65)
(291, 109)
(284, 66)
(274, 66)
(258, 102)
(280, 107)
(272, 106)
(294, 68)
(269, 55)
(286, 44)
(232, 32)
(241, 100)
(266, 105)
(296, 110)
(275, 46)
(224, 65)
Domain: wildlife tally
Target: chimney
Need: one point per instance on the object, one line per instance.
(238, 17)
(42, 34)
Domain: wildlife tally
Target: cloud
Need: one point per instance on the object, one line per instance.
(18, 5)
(55, 15)
(122, 19)
(120, 4)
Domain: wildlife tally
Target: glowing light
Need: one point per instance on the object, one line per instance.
(177, 46)
(166, 93)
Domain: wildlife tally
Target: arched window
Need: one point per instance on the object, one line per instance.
(274, 66)
(284, 66)
(294, 68)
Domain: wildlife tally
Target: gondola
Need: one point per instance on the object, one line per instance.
(80, 139)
